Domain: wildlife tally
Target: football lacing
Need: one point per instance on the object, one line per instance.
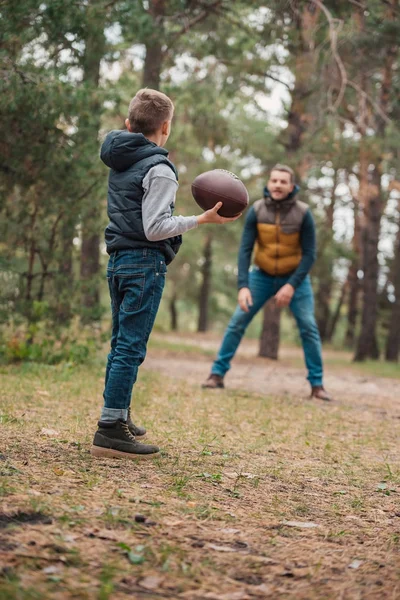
(229, 173)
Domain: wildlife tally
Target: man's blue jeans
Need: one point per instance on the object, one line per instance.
(136, 281)
(263, 287)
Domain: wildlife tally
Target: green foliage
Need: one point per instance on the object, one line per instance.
(37, 344)
(70, 70)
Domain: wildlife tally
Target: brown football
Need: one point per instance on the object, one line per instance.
(220, 186)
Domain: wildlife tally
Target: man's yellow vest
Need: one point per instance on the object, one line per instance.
(278, 247)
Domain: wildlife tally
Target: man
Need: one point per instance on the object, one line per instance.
(283, 232)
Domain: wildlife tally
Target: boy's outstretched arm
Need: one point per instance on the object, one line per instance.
(160, 187)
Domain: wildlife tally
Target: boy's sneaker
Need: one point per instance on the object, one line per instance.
(214, 382)
(114, 440)
(135, 429)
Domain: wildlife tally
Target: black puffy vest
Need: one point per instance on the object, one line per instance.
(130, 156)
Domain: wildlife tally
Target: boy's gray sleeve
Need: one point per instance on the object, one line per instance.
(160, 186)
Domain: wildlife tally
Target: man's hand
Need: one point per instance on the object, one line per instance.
(212, 216)
(284, 296)
(244, 298)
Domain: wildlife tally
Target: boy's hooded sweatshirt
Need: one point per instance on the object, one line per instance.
(130, 157)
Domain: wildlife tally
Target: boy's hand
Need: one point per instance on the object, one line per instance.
(212, 216)
(245, 299)
(284, 295)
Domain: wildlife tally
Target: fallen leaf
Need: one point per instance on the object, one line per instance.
(222, 548)
(172, 523)
(301, 524)
(69, 538)
(49, 432)
(355, 564)
(264, 589)
(265, 559)
(229, 530)
(51, 570)
(231, 474)
(58, 471)
(238, 595)
(135, 559)
(151, 582)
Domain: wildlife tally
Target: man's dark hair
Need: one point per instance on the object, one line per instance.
(148, 110)
(286, 169)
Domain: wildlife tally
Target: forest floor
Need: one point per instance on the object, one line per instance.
(259, 492)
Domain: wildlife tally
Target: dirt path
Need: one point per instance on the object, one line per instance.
(268, 377)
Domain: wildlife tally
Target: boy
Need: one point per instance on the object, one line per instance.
(142, 238)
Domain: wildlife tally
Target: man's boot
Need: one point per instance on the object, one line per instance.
(114, 440)
(135, 429)
(214, 382)
(318, 391)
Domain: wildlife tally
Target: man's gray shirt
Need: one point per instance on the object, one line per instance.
(160, 186)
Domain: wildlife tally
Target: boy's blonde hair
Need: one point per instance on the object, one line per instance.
(148, 110)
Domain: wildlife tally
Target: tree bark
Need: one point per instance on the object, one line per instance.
(269, 339)
(323, 299)
(65, 272)
(353, 282)
(205, 285)
(89, 127)
(393, 340)
(154, 54)
(324, 293)
(173, 312)
(336, 315)
(373, 204)
(367, 346)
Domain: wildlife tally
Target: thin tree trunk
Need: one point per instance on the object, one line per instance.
(336, 315)
(88, 128)
(269, 339)
(367, 346)
(205, 285)
(353, 282)
(154, 54)
(173, 312)
(323, 296)
(65, 273)
(323, 299)
(393, 340)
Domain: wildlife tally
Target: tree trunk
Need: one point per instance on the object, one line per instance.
(173, 312)
(65, 272)
(269, 339)
(88, 128)
(353, 282)
(336, 315)
(367, 346)
(154, 54)
(205, 285)
(299, 120)
(324, 293)
(393, 340)
(323, 299)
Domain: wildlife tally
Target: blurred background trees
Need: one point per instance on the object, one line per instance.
(311, 83)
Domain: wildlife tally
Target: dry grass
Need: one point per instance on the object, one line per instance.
(236, 467)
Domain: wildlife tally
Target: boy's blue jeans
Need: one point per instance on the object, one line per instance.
(263, 287)
(136, 281)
